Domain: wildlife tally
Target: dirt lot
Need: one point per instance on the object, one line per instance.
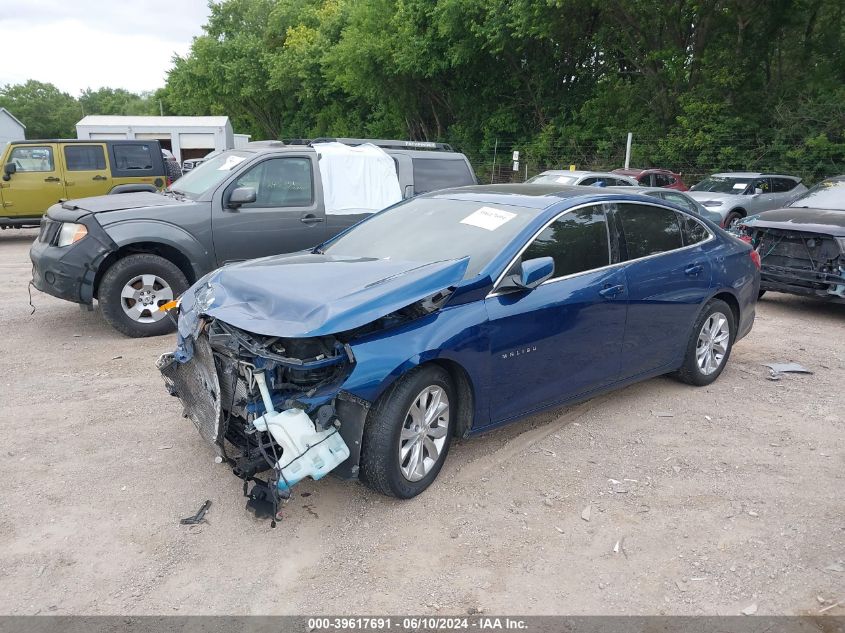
(733, 501)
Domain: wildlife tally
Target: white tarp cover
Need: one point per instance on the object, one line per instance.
(359, 179)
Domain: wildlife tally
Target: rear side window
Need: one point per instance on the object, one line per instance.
(431, 174)
(32, 158)
(85, 157)
(133, 157)
(663, 180)
(779, 185)
(681, 201)
(578, 242)
(649, 230)
(645, 180)
(614, 182)
(692, 230)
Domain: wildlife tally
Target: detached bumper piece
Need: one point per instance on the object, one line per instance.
(809, 264)
(264, 409)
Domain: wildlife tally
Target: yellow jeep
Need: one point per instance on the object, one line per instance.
(38, 174)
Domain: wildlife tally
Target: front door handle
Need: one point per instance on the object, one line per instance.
(608, 292)
(693, 269)
(310, 219)
(51, 179)
(98, 177)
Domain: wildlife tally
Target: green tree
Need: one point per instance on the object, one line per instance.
(42, 108)
(117, 101)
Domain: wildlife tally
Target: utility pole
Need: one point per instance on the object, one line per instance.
(628, 150)
(160, 108)
(495, 150)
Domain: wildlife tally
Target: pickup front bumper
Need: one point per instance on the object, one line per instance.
(68, 272)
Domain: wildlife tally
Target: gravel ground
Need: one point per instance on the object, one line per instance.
(730, 499)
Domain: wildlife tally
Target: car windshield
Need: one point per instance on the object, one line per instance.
(720, 184)
(828, 194)
(208, 174)
(554, 179)
(429, 229)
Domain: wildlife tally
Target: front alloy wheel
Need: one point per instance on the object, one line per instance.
(143, 295)
(408, 433)
(424, 433)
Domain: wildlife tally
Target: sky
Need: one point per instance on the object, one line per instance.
(79, 44)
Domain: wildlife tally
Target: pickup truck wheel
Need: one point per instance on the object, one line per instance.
(133, 289)
(408, 433)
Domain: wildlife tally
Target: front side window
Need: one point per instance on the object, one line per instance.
(761, 185)
(32, 158)
(431, 174)
(85, 157)
(279, 182)
(577, 241)
(645, 180)
(663, 180)
(649, 230)
(133, 157)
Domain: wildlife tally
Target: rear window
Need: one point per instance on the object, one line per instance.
(431, 174)
(85, 157)
(133, 157)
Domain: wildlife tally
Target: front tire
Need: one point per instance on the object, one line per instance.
(732, 218)
(133, 289)
(710, 344)
(408, 433)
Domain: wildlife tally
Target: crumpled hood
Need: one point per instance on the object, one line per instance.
(725, 198)
(310, 294)
(825, 221)
(72, 210)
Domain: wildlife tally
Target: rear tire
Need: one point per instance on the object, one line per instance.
(709, 345)
(398, 432)
(132, 290)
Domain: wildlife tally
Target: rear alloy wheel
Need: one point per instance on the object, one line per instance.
(134, 288)
(709, 346)
(408, 433)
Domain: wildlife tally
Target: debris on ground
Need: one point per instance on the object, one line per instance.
(837, 567)
(585, 513)
(832, 606)
(751, 609)
(663, 414)
(776, 369)
(199, 517)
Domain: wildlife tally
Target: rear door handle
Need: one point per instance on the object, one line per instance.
(99, 178)
(51, 179)
(693, 269)
(608, 292)
(310, 219)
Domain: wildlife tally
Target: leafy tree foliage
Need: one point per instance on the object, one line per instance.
(42, 108)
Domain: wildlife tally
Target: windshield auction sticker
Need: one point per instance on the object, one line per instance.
(231, 161)
(488, 218)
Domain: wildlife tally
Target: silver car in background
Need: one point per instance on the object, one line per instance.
(679, 198)
(583, 178)
(735, 195)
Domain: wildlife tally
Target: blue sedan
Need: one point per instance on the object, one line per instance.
(444, 316)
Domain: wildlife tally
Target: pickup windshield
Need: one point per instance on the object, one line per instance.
(209, 174)
(431, 229)
(828, 194)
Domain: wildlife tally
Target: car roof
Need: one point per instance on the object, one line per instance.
(751, 174)
(639, 171)
(536, 196)
(411, 150)
(576, 172)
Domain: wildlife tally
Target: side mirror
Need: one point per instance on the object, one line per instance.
(8, 170)
(757, 191)
(533, 272)
(241, 196)
(409, 192)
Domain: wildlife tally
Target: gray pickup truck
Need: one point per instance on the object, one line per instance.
(137, 251)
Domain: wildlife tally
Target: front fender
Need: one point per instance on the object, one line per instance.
(128, 232)
(455, 334)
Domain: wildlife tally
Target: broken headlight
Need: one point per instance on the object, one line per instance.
(204, 297)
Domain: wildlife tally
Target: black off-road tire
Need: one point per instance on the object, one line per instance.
(379, 465)
(690, 372)
(122, 272)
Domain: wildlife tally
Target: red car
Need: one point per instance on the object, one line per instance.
(655, 178)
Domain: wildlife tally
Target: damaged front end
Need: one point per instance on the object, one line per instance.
(268, 404)
(261, 371)
(799, 262)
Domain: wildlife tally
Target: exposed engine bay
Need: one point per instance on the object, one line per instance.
(811, 264)
(266, 404)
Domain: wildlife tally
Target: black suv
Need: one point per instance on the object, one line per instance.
(137, 251)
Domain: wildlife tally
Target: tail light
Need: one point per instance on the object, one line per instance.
(755, 257)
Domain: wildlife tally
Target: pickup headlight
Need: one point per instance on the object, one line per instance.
(71, 233)
(712, 203)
